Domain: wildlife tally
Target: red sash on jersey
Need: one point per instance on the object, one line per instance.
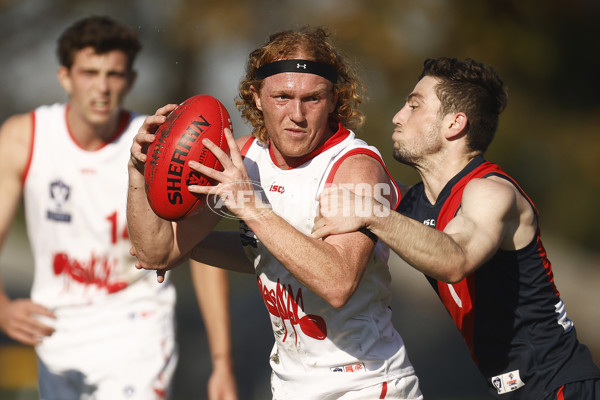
(463, 314)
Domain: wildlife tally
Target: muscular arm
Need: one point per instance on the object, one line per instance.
(212, 291)
(493, 215)
(17, 317)
(158, 243)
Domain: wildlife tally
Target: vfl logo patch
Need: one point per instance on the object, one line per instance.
(59, 196)
(128, 391)
(507, 382)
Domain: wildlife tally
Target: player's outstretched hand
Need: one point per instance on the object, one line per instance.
(18, 320)
(340, 211)
(146, 135)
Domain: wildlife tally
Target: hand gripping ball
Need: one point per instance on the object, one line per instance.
(179, 140)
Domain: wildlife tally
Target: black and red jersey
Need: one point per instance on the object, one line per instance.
(509, 311)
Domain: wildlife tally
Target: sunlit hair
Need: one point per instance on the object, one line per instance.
(313, 45)
(473, 88)
(101, 33)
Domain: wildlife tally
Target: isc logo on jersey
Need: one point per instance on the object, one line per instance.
(277, 188)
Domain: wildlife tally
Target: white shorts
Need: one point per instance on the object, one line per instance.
(118, 351)
(406, 388)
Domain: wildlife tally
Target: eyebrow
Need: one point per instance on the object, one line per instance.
(311, 93)
(414, 95)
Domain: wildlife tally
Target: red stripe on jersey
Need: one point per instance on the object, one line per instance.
(123, 122)
(459, 298)
(546, 262)
(560, 395)
(451, 206)
(370, 153)
(246, 146)
(383, 390)
(463, 313)
(30, 156)
(341, 134)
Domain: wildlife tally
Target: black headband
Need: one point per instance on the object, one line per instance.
(303, 66)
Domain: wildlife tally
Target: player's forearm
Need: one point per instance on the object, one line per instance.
(328, 270)
(430, 251)
(212, 292)
(4, 299)
(151, 236)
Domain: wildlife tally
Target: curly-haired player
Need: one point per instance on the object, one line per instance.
(328, 300)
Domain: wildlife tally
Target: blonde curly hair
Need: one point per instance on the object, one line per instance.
(313, 44)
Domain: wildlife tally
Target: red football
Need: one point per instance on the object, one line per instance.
(178, 141)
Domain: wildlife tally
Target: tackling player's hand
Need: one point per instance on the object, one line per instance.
(338, 207)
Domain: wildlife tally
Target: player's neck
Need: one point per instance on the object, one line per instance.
(438, 171)
(90, 136)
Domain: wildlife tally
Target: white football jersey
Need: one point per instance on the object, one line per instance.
(321, 351)
(75, 208)
(75, 205)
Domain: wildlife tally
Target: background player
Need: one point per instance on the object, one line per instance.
(328, 300)
(102, 329)
(484, 257)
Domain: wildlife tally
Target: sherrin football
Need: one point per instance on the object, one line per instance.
(179, 140)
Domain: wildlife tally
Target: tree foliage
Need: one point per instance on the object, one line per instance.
(546, 52)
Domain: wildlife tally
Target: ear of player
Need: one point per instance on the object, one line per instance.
(178, 141)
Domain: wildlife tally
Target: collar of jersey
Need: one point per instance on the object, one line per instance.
(123, 121)
(341, 134)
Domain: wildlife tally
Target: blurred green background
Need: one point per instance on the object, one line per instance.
(546, 52)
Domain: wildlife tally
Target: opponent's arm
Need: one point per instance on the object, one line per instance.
(493, 215)
(212, 292)
(17, 317)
